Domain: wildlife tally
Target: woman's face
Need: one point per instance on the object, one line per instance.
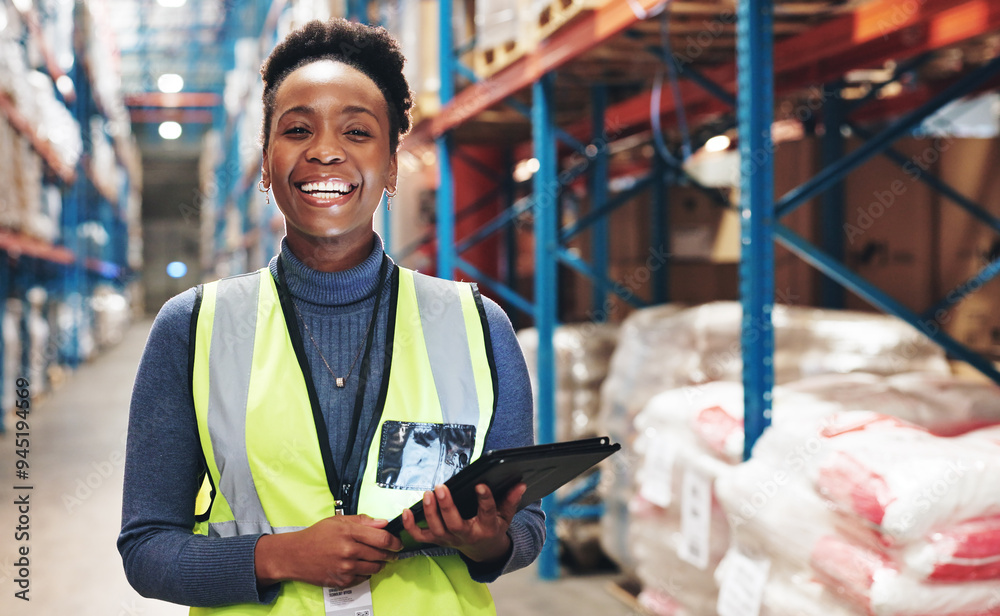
(328, 157)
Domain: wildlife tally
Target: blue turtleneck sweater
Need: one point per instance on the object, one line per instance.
(161, 555)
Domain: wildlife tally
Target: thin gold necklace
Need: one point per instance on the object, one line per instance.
(341, 381)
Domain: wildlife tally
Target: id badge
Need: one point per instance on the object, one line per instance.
(353, 601)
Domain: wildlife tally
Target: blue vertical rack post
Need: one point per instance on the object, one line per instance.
(446, 177)
(74, 207)
(755, 115)
(599, 196)
(832, 145)
(927, 322)
(760, 226)
(546, 190)
(660, 235)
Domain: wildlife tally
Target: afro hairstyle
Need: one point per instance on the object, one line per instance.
(369, 49)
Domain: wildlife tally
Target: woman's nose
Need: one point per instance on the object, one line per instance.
(325, 149)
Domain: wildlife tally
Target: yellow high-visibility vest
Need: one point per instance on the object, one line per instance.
(258, 430)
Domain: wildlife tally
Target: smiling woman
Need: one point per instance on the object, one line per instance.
(328, 161)
(267, 405)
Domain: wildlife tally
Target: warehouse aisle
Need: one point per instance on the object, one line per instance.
(76, 465)
(77, 445)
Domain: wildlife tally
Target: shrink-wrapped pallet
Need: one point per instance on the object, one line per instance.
(756, 583)
(112, 315)
(39, 353)
(10, 200)
(816, 493)
(644, 359)
(669, 347)
(902, 481)
(12, 365)
(677, 531)
(582, 355)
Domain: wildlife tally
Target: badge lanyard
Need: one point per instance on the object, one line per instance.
(339, 487)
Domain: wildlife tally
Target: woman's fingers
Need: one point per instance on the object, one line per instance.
(449, 512)
(421, 535)
(434, 522)
(509, 505)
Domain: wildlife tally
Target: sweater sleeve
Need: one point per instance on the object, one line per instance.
(513, 426)
(162, 556)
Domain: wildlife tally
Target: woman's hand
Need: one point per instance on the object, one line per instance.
(338, 552)
(482, 538)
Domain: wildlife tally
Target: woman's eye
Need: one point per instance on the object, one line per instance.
(295, 130)
(359, 132)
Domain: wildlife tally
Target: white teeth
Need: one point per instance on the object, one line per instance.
(326, 187)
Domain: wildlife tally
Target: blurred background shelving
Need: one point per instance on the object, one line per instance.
(658, 193)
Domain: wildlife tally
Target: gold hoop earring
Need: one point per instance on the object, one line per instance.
(266, 191)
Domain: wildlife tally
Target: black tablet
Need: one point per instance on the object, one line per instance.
(544, 468)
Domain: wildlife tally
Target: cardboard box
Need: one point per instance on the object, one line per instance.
(795, 281)
(699, 283)
(888, 225)
(702, 228)
(965, 245)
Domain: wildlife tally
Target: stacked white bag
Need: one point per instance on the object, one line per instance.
(891, 519)
(678, 534)
(583, 353)
(770, 505)
(668, 347)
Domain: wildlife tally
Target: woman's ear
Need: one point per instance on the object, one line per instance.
(265, 175)
(390, 181)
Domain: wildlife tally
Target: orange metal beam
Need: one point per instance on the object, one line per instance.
(156, 115)
(53, 68)
(42, 146)
(879, 31)
(831, 49)
(565, 44)
(16, 244)
(180, 99)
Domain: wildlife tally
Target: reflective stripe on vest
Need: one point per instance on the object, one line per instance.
(267, 465)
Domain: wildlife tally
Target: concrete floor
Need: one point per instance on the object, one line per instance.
(77, 445)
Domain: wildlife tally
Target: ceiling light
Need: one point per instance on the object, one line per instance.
(525, 169)
(66, 59)
(65, 85)
(172, 4)
(170, 130)
(170, 83)
(177, 269)
(717, 143)
(3, 18)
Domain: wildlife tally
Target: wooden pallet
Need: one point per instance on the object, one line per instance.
(489, 60)
(555, 14)
(626, 590)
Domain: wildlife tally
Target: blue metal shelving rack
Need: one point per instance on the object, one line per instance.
(759, 210)
(550, 239)
(755, 114)
(70, 270)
